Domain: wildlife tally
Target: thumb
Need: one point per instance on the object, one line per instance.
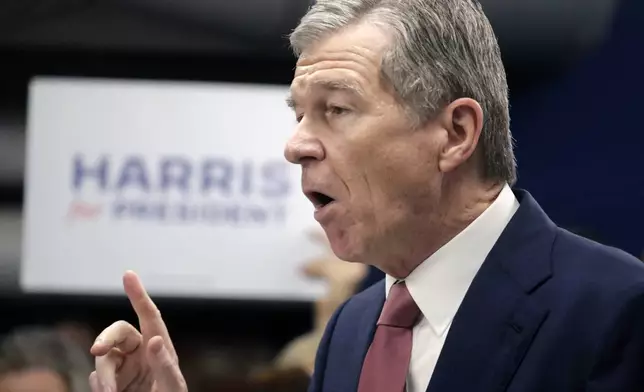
(165, 368)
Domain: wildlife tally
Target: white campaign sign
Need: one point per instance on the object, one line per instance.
(184, 183)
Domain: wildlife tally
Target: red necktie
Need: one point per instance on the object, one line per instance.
(387, 362)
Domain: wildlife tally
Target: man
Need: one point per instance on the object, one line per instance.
(38, 359)
(342, 279)
(404, 143)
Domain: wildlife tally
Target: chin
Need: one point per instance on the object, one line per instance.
(345, 247)
(344, 254)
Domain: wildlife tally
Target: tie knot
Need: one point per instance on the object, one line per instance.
(400, 310)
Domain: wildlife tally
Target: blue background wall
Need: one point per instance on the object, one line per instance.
(580, 138)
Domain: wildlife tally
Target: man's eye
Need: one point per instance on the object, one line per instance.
(336, 110)
(299, 117)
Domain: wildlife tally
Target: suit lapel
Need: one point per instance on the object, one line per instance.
(487, 339)
(498, 317)
(367, 311)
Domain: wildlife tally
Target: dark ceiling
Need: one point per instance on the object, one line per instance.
(544, 31)
(241, 40)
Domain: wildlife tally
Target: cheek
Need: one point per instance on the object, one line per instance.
(400, 171)
(386, 165)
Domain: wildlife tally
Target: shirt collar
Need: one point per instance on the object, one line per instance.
(438, 285)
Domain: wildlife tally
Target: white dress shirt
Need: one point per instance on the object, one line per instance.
(439, 284)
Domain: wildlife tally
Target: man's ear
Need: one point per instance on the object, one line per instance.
(463, 122)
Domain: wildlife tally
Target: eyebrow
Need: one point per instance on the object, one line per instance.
(330, 85)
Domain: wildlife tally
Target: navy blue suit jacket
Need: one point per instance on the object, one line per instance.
(548, 311)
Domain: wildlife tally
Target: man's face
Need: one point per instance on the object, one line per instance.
(32, 381)
(369, 173)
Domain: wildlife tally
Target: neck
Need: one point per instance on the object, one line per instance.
(456, 208)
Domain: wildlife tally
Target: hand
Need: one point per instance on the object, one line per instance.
(336, 272)
(300, 353)
(342, 277)
(131, 361)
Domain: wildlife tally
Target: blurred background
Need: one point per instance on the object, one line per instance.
(72, 67)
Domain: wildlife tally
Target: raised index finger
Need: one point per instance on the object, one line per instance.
(150, 320)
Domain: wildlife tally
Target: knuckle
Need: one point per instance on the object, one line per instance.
(112, 360)
(115, 356)
(154, 312)
(151, 311)
(115, 332)
(176, 380)
(122, 325)
(168, 365)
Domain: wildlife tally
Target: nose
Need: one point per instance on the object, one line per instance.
(303, 147)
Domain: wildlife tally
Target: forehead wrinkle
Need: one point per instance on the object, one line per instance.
(331, 65)
(353, 53)
(350, 81)
(343, 84)
(350, 59)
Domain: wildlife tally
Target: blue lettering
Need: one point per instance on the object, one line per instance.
(119, 209)
(139, 210)
(257, 214)
(175, 173)
(276, 179)
(210, 213)
(247, 178)
(212, 176)
(144, 210)
(81, 171)
(160, 211)
(217, 175)
(134, 175)
(188, 213)
(232, 213)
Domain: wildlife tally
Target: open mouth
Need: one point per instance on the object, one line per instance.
(320, 200)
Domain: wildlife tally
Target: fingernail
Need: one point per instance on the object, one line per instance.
(107, 388)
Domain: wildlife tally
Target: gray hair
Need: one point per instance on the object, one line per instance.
(43, 348)
(442, 50)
